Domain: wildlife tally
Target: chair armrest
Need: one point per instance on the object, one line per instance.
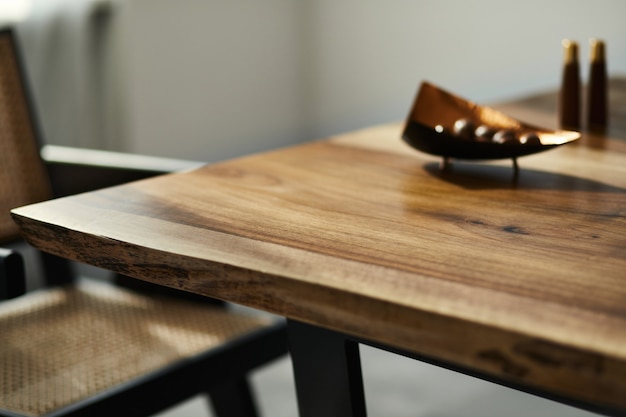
(12, 276)
(77, 170)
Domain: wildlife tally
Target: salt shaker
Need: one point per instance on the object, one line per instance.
(569, 97)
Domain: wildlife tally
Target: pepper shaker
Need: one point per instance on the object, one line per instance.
(597, 103)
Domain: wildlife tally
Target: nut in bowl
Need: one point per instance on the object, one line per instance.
(446, 125)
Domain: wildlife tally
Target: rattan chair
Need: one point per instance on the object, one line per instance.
(88, 347)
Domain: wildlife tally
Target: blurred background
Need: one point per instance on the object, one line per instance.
(209, 79)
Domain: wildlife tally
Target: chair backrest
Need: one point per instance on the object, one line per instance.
(23, 177)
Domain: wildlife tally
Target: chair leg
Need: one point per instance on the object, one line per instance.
(233, 398)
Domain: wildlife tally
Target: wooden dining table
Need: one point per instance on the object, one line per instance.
(360, 239)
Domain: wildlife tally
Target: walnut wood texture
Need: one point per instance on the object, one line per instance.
(522, 280)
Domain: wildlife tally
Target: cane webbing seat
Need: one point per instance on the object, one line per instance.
(90, 348)
(65, 344)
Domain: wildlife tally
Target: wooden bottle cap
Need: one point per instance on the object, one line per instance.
(570, 49)
(597, 50)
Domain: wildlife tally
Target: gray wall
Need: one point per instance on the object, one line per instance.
(69, 71)
(209, 80)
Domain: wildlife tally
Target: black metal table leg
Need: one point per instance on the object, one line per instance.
(327, 371)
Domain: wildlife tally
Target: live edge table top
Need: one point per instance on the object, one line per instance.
(524, 280)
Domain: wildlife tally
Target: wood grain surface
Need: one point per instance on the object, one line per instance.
(524, 280)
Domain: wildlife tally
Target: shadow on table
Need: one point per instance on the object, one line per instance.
(477, 176)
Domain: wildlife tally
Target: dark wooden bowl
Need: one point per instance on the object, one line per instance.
(429, 128)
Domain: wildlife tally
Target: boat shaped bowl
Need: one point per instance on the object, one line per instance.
(429, 128)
